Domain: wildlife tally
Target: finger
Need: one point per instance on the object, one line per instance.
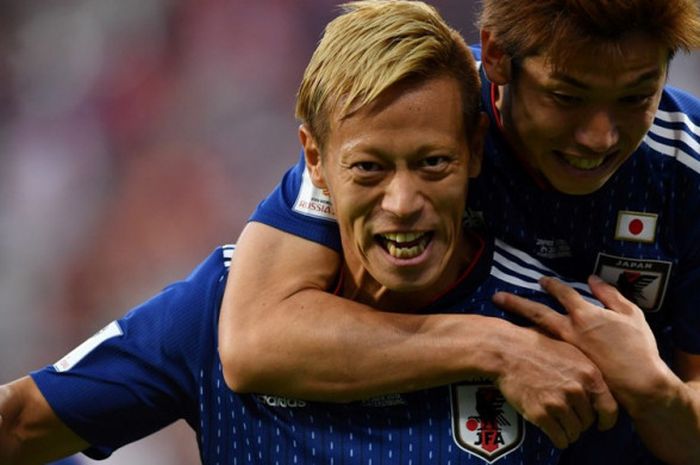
(552, 428)
(581, 405)
(606, 407)
(543, 316)
(565, 294)
(571, 424)
(609, 295)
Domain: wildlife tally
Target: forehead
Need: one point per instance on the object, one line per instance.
(634, 60)
(410, 114)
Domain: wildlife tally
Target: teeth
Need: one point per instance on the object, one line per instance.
(402, 237)
(583, 163)
(394, 241)
(405, 252)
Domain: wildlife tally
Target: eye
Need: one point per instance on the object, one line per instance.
(435, 162)
(565, 99)
(367, 172)
(366, 167)
(436, 166)
(636, 100)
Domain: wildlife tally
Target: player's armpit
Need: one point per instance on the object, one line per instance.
(30, 432)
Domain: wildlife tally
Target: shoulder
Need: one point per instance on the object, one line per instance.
(675, 132)
(193, 303)
(206, 280)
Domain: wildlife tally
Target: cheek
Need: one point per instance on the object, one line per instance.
(635, 127)
(451, 205)
(353, 218)
(541, 118)
(548, 123)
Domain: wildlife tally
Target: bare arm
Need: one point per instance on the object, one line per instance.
(665, 407)
(30, 432)
(668, 418)
(281, 334)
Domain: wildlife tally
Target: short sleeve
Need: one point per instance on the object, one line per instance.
(138, 374)
(298, 207)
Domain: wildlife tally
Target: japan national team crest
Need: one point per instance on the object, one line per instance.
(483, 423)
(641, 281)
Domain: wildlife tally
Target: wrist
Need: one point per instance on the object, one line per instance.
(659, 392)
(498, 345)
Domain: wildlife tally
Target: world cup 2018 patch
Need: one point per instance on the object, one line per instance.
(483, 423)
(642, 281)
(313, 201)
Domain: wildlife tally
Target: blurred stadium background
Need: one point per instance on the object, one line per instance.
(136, 136)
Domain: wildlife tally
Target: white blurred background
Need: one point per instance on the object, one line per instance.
(135, 136)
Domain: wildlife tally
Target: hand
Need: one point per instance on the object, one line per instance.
(556, 387)
(617, 338)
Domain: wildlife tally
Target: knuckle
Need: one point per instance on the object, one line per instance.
(555, 406)
(573, 435)
(592, 376)
(536, 415)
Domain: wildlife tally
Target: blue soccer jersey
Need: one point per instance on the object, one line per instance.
(160, 363)
(638, 232)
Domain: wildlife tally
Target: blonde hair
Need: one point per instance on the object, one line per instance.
(562, 29)
(374, 45)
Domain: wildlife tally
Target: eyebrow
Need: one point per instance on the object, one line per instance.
(648, 76)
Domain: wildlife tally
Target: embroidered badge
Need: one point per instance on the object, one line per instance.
(313, 201)
(642, 281)
(636, 226)
(483, 423)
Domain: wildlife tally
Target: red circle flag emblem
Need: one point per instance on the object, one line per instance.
(636, 226)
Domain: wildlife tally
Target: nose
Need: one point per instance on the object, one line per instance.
(598, 132)
(402, 196)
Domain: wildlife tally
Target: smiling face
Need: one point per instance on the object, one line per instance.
(397, 173)
(576, 126)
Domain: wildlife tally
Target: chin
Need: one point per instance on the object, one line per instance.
(574, 189)
(404, 284)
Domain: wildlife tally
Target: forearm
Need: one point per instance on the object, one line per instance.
(30, 433)
(8, 412)
(279, 333)
(618, 339)
(668, 421)
(337, 350)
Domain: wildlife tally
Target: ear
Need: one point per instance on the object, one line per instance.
(312, 155)
(494, 59)
(476, 145)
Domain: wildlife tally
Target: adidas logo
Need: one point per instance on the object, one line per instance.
(283, 402)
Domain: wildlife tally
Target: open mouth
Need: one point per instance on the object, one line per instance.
(584, 163)
(405, 245)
